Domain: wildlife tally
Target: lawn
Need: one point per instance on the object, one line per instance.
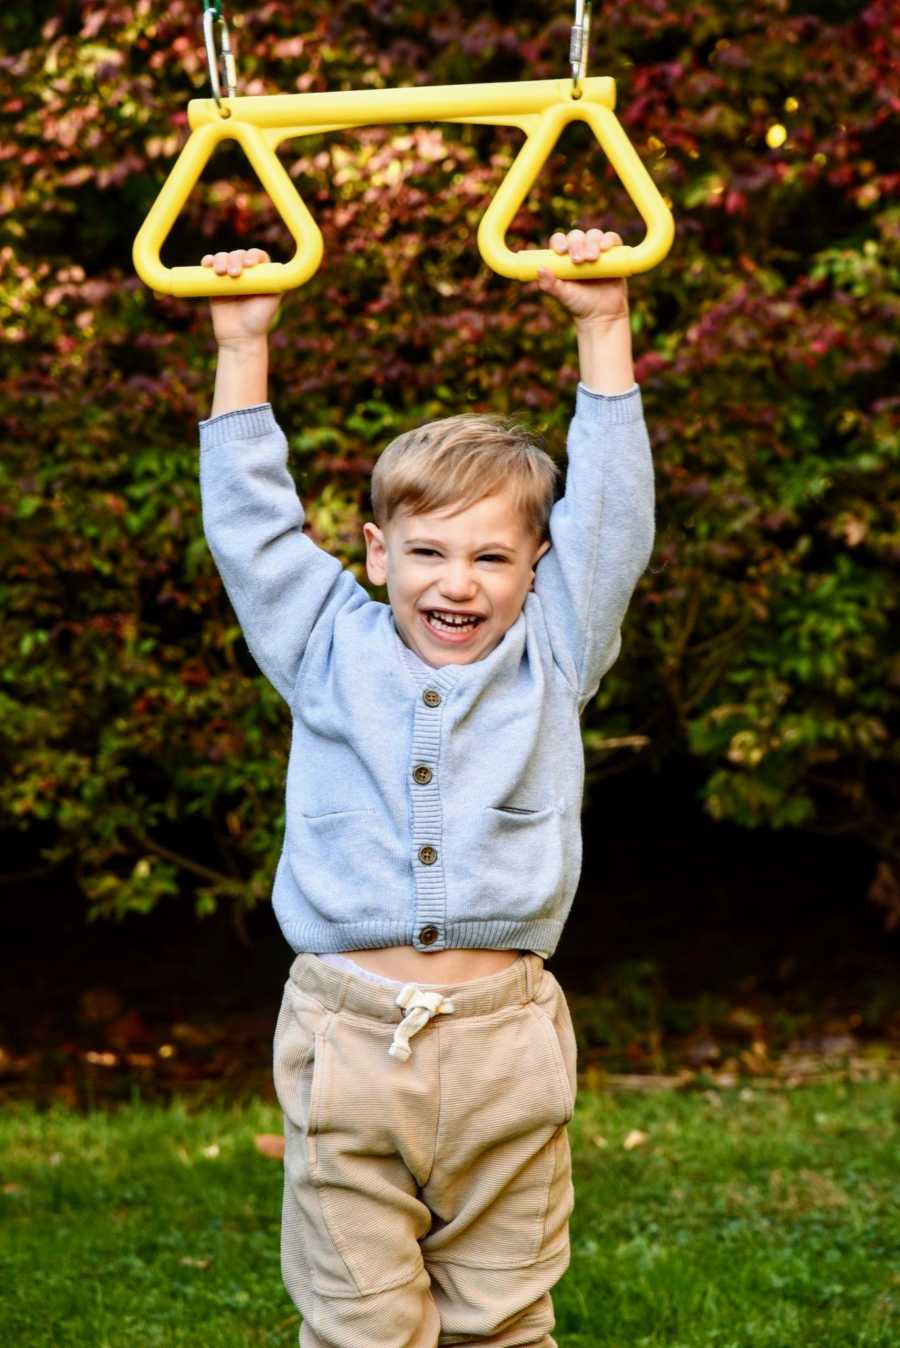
(744, 1218)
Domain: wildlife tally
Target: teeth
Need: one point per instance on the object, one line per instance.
(444, 620)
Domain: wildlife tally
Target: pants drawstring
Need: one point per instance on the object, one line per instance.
(420, 1006)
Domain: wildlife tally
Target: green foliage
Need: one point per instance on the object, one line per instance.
(140, 738)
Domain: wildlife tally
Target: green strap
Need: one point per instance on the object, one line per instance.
(214, 5)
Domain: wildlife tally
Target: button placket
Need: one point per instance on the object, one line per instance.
(427, 861)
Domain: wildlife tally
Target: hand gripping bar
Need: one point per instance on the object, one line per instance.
(541, 108)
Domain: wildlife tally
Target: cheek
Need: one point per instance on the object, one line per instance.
(407, 583)
(509, 593)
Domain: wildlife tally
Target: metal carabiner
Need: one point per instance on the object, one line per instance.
(578, 45)
(212, 13)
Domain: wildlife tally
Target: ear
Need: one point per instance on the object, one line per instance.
(537, 557)
(376, 559)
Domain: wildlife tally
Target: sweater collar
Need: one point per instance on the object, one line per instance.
(443, 676)
(439, 676)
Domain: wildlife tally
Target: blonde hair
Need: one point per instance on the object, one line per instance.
(459, 460)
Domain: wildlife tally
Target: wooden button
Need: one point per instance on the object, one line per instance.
(428, 855)
(422, 774)
(431, 697)
(428, 935)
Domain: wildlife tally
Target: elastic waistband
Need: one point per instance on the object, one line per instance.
(513, 986)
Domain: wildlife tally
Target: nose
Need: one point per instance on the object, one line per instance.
(456, 584)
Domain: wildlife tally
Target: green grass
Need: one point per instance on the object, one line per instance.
(745, 1219)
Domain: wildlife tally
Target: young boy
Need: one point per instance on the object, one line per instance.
(432, 844)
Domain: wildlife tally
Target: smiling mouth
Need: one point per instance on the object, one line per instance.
(446, 627)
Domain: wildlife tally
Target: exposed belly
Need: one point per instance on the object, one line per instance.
(444, 966)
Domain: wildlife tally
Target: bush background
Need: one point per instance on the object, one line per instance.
(142, 748)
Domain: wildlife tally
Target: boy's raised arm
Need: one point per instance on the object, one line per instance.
(602, 530)
(242, 375)
(281, 584)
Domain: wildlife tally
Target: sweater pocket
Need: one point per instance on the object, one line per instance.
(327, 811)
(346, 862)
(532, 812)
(516, 809)
(524, 846)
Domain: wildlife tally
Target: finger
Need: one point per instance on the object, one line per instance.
(220, 262)
(207, 260)
(236, 261)
(576, 244)
(256, 255)
(558, 242)
(592, 244)
(611, 239)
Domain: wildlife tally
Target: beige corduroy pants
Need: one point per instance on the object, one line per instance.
(428, 1189)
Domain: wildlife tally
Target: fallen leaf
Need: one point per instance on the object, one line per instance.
(100, 1059)
(703, 1050)
(270, 1144)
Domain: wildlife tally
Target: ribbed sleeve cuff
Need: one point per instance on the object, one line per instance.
(609, 409)
(243, 424)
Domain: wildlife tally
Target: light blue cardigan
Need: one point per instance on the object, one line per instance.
(487, 852)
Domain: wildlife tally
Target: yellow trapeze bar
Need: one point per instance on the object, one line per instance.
(541, 108)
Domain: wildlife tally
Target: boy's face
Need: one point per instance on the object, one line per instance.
(480, 561)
